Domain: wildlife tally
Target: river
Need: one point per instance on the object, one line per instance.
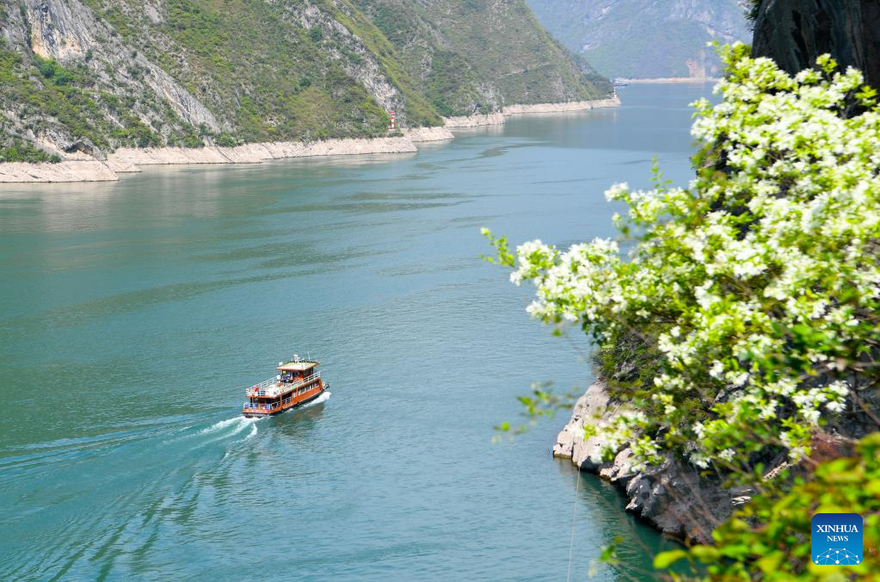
(134, 314)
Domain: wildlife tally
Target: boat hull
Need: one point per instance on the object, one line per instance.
(295, 402)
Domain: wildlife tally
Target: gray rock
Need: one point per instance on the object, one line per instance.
(795, 32)
(671, 496)
(678, 501)
(591, 408)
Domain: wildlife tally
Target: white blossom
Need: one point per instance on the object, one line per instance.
(772, 261)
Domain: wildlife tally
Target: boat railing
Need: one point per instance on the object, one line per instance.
(261, 389)
(260, 407)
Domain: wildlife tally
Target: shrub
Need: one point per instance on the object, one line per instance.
(53, 71)
(226, 140)
(21, 151)
(768, 538)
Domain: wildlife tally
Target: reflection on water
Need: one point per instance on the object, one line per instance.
(298, 423)
(135, 313)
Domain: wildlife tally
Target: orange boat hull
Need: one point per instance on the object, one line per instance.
(286, 403)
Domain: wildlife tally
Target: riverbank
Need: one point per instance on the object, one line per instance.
(129, 160)
(499, 118)
(667, 80)
(66, 171)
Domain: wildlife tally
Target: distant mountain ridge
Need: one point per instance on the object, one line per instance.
(83, 77)
(645, 38)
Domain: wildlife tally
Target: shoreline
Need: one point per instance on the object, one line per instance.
(129, 160)
(500, 117)
(668, 80)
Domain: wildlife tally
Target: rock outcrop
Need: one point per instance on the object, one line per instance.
(795, 32)
(671, 496)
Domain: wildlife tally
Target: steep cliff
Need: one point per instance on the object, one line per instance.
(645, 38)
(83, 77)
(795, 32)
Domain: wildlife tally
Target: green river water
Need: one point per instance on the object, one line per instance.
(135, 313)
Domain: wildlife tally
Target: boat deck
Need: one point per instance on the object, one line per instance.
(273, 388)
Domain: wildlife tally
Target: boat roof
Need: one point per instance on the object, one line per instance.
(296, 366)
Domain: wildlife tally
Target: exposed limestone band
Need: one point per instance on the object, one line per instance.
(481, 120)
(423, 134)
(126, 160)
(256, 153)
(474, 120)
(668, 80)
(562, 107)
(68, 171)
(129, 159)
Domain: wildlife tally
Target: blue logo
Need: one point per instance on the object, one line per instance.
(836, 539)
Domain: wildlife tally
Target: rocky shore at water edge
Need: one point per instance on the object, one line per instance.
(672, 496)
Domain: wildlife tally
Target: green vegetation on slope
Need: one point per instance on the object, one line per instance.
(189, 72)
(20, 151)
(768, 539)
(48, 94)
(447, 78)
(418, 111)
(249, 65)
(482, 55)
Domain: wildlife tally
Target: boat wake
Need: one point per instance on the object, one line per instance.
(239, 423)
(154, 471)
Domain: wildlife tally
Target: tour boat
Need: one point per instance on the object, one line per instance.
(297, 382)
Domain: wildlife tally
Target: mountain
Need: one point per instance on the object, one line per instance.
(645, 38)
(92, 75)
(472, 54)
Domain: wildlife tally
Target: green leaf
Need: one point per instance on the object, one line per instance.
(663, 560)
(706, 554)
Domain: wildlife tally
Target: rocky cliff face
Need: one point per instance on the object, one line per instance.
(70, 110)
(795, 32)
(83, 77)
(672, 496)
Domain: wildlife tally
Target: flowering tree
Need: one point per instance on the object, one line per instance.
(757, 287)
